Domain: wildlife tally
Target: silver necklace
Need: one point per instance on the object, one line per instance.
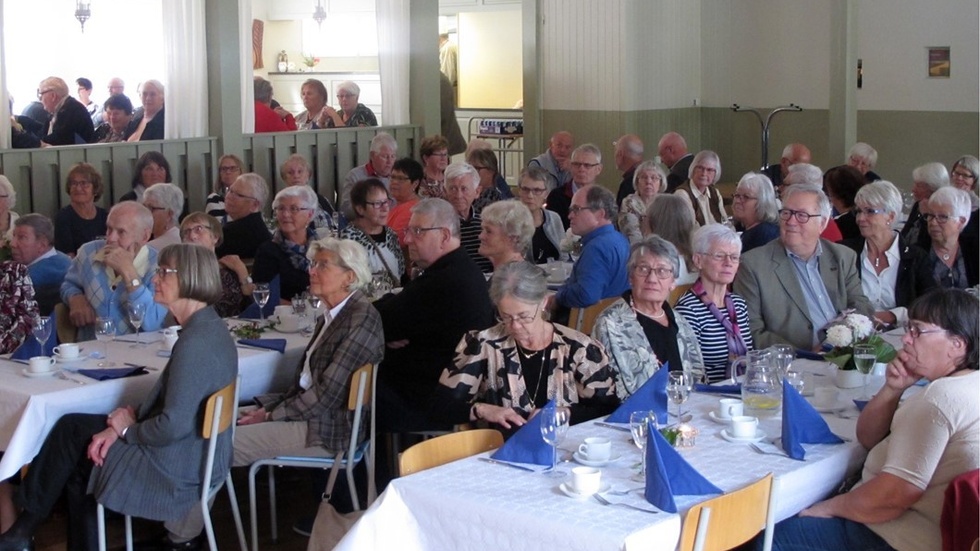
(527, 356)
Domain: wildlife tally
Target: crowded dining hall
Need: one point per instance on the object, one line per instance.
(343, 272)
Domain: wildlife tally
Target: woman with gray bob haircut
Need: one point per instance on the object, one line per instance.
(926, 180)
(285, 254)
(350, 256)
(954, 253)
(640, 331)
(506, 233)
(8, 198)
(755, 209)
(503, 375)
(648, 180)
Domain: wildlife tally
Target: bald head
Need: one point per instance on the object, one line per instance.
(560, 145)
(629, 152)
(793, 154)
(671, 148)
(116, 86)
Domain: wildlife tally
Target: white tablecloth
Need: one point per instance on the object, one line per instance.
(29, 407)
(470, 504)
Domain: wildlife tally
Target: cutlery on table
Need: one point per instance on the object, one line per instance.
(507, 464)
(61, 375)
(611, 426)
(605, 501)
(763, 451)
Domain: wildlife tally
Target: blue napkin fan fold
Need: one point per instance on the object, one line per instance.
(802, 424)
(109, 374)
(669, 475)
(651, 396)
(527, 445)
(279, 345)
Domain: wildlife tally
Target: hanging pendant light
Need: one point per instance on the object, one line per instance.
(319, 14)
(82, 11)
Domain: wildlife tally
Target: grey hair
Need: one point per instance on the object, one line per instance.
(55, 83)
(7, 188)
(881, 194)
(350, 87)
(709, 234)
(788, 151)
(766, 208)
(955, 198)
(865, 152)
(970, 163)
(706, 155)
(588, 148)
(462, 170)
(514, 218)
(383, 139)
(671, 218)
(153, 83)
(535, 174)
(442, 213)
(260, 189)
(303, 193)
(823, 204)
(350, 256)
(170, 195)
(804, 173)
(295, 159)
(262, 89)
(651, 166)
(600, 198)
(41, 224)
(654, 245)
(522, 280)
(141, 215)
(932, 175)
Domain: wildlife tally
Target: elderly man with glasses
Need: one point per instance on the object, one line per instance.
(70, 123)
(793, 286)
(586, 165)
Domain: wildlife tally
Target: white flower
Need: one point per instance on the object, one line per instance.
(860, 324)
(839, 335)
(568, 242)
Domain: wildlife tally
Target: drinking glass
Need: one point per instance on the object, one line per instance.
(640, 427)
(864, 361)
(554, 425)
(261, 297)
(678, 389)
(42, 330)
(136, 311)
(908, 201)
(299, 306)
(782, 357)
(105, 332)
(796, 380)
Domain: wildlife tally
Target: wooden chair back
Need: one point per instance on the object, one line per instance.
(446, 448)
(677, 293)
(352, 398)
(583, 319)
(66, 331)
(730, 520)
(227, 413)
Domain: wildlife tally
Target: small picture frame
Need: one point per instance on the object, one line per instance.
(938, 61)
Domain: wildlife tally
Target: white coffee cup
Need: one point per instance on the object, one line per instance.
(595, 448)
(283, 310)
(67, 351)
(729, 407)
(40, 364)
(169, 339)
(825, 396)
(291, 323)
(744, 426)
(586, 480)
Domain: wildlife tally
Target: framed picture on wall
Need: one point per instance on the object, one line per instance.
(939, 62)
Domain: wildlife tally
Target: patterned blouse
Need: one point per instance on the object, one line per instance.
(382, 257)
(17, 305)
(362, 116)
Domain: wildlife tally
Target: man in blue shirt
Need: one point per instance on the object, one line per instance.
(600, 271)
(32, 243)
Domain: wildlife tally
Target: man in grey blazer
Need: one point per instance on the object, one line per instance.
(796, 284)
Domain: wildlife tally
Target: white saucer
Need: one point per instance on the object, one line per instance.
(759, 435)
(567, 490)
(720, 420)
(300, 330)
(580, 459)
(61, 360)
(28, 373)
(163, 353)
(830, 409)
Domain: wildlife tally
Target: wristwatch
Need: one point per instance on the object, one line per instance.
(135, 282)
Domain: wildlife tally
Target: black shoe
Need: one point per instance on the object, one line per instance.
(165, 544)
(304, 526)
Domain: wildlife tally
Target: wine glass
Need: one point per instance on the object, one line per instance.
(105, 332)
(908, 200)
(136, 311)
(864, 361)
(554, 425)
(678, 389)
(261, 297)
(640, 428)
(315, 303)
(42, 330)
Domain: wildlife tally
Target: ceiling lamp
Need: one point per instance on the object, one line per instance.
(82, 11)
(319, 14)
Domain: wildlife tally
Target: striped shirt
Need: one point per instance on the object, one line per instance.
(711, 334)
(469, 237)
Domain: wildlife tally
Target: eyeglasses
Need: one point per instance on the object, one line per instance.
(644, 271)
(79, 183)
(322, 265)
(194, 230)
(576, 164)
(162, 272)
(532, 190)
(457, 189)
(345, 96)
(801, 216)
(234, 193)
(418, 231)
(40, 93)
(868, 212)
(294, 210)
(965, 175)
(915, 331)
(378, 204)
(577, 209)
(939, 218)
(743, 197)
(154, 208)
(706, 169)
(230, 169)
(520, 319)
(721, 257)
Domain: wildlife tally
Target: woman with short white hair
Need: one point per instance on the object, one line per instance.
(953, 256)
(351, 113)
(8, 198)
(148, 125)
(165, 202)
(863, 157)
(754, 207)
(926, 180)
(506, 233)
(285, 255)
(648, 180)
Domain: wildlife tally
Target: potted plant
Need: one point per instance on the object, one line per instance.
(843, 334)
(310, 62)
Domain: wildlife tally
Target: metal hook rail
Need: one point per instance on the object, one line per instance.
(765, 124)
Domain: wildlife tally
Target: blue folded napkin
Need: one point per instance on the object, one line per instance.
(802, 424)
(109, 374)
(30, 347)
(651, 396)
(252, 311)
(720, 389)
(809, 355)
(669, 475)
(860, 404)
(279, 345)
(527, 445)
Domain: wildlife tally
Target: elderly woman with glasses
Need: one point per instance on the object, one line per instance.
(917, 449)
(755, 210)
(81, 220)
(954, 254)
(230, 167)
(405, 180)
(926, 180)
(370, 202)
(648, 180)
(285, 254)
(236, 285)
(490, 191)
(148, 124)
(351, 113)
(503, 375)
(434, 152)
(165, 201)
(296, 171)
(718, 317)
(506, 233)
(548, 228)
(640, 331)
(699, 191)
(965, 172)
(893, 272)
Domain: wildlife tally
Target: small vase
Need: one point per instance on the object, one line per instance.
(850, 378)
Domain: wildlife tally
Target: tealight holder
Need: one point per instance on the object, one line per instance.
(686, 436)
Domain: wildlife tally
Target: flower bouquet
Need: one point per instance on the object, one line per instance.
(571, 245)
(310, 61)
(849, 330)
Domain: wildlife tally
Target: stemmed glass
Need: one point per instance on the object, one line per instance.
(864, 361)
(315, 303)
(679, 389)
(554, 425)
(640, 428)
(261, 297)
(135, 311)
(782, 357)
(42, 330)
(105, 332)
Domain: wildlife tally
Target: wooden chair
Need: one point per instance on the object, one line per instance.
(360, 397)
(677, 293)
(582, 319)
(730, 520)
(220, 412)
(66, 331)
(450, 447)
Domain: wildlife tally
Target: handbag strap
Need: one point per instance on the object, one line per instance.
(377, 249)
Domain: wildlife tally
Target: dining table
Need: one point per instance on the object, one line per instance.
(30, 405)
(475, 504)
